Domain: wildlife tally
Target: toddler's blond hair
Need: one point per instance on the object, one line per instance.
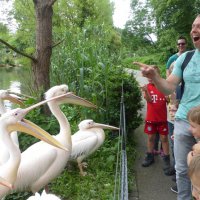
(194, 115)
(194, 166)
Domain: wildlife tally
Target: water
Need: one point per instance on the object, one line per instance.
(10, 79)
(13, 79)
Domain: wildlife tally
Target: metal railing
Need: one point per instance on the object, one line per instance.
(121, 178)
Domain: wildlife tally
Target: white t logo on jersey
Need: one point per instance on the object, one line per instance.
(154, 98)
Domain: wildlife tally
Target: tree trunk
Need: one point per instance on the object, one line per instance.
(41, 67)
(44, 12)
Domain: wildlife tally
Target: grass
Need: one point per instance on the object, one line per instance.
(100, 178)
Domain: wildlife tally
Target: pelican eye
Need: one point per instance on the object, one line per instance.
(16, 114)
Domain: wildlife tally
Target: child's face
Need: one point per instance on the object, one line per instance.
(195, 151)
(195, 129)
(195, 187)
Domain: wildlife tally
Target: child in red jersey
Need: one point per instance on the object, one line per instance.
(156, 121)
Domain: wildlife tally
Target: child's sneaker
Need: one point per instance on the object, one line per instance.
(148, 160)
(174, 189)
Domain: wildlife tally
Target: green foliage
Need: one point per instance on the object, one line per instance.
(173, 18)
(132, 99)
(136, 35)
(165, 19)
(6, 55)
(88, 65)
(25, 15)
(4, 31)
(158, 59)
(79, 14)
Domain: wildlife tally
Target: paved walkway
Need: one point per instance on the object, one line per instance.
(150, 183)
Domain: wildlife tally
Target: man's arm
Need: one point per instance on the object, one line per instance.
(167, 72)
(167, 86)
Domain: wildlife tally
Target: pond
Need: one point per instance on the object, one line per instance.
(10, 79)
(14, 79)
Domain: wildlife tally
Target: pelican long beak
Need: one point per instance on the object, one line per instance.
(34, 130)
(30, 128)
(15, 100)
(5, 183)
(104, 126)
(20, 94)
(45, 101)
(71, 98)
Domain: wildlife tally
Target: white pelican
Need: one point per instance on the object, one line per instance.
(43, 196)
(14, 120)
(41, 163)
(5, 95)
(87, 140)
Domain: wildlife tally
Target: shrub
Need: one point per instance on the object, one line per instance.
(118, 81)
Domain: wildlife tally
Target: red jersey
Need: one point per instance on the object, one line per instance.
(157, 109)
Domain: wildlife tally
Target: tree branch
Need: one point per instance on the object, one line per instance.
(17, 51)
(8, 65)
(56, 44)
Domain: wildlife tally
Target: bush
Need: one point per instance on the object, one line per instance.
(118, 81)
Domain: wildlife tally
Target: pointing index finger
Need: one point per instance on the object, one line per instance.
(141, 65)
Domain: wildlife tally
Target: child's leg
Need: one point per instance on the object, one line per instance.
(165, 144)
(150, 142)
(163, 130)
(171, 141)
(157, 150)
(149, 129)
(166, 157)
(157, 139)
(168, 169)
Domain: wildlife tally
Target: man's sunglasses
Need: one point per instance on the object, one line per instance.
(179, 44)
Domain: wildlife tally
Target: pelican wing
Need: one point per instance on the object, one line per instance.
(40, 163)
(83, 142)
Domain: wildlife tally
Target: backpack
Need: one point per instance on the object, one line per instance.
(183, 66)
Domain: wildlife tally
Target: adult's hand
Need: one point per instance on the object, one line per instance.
(147, 70)
(152, 72)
